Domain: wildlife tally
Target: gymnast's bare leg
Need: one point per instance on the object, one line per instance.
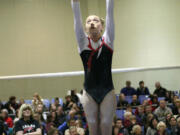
(102, 125)
(91, 110)
(107, 111)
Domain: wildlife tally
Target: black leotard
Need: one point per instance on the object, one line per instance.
(98, 76)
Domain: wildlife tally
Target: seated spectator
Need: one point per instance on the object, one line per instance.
(21, 101)
(128, 90)
(119, 129)
(133, 123)
(53, 131)
(176, 108)
(16, 116)
(129, 108)
(79, 123)
(142, 90)
(159, 91)
(145, 102)
(36, 100)
(26, 123)
(115, 130)
(147, 120)
(153, 102)
(1, 105)
(52, 108)
(68, 103)
(49, 122)
(54, 118)
(136, 130)
(126, 121)
(74, 97)
(122, 102)
(73, 131)
(178, 125)
(61, 117)
(56, 102)
(152, 128)
(3, 127)
(8, 120)
(148, 109)
(172, 96)
(11, 105)
(72, 123)
(40, 110)
(172, 129)
(139, 110)
(168, 96)
(161, 129)
(162, 110)
(144, 118)
(139, 113)
(42, 124)
(76, 108)
(168, 116)
(135, 102)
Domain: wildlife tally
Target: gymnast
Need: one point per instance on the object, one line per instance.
(96, 51)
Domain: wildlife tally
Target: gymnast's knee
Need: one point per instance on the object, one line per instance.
(92, 121)
(105, 123)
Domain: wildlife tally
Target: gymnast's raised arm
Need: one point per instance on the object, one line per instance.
(78, 26)
(109, 28)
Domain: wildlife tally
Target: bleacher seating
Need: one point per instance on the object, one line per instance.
(129, 99)
(28, 101)
(46, 102)
(60, 101)
(160, 98)
(120, 113)
(141, 98)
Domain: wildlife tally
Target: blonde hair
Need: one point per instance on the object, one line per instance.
(102, 21)
(135, 128)
(127, 114)
(177, 100)
(72, 128)
(160, 124)
(52, 130)
(22, 108)
(38, 98)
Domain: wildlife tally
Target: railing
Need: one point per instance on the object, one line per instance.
(79, 73)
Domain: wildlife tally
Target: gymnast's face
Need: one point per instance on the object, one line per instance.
(94, 26)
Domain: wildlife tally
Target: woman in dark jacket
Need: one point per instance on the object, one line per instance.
(152, 129)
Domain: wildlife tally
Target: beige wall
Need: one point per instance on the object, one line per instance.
(147, 33)
(37, 36)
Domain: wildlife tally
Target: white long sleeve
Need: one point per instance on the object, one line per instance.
(109, 28)
(78, 26)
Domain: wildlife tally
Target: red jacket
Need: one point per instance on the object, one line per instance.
(9, 122)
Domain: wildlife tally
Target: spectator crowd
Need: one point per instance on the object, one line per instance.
(138, 113)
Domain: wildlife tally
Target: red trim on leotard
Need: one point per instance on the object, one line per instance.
(107, 45)
(89, 63)
(90, 46)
